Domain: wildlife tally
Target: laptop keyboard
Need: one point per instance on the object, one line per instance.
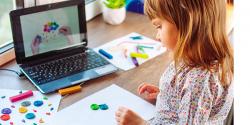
(63, 67)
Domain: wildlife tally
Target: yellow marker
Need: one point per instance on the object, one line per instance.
(23, 110)
(139, 55)
(70, 90)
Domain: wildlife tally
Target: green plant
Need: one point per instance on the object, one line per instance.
(115, 4)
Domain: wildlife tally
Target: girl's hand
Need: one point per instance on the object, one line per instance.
(148, 91)
(126, 116)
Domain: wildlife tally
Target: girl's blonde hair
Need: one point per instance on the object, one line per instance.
(202, 38)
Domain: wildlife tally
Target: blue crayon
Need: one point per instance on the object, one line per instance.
(106, 54)
(136, 37)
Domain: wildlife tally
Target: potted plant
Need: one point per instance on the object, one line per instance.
(114, 11)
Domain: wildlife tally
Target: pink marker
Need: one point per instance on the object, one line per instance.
(21, 96)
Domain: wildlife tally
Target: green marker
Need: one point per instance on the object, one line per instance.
(141, 49)
(148, 47)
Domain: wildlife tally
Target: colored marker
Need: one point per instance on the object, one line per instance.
(106, 54)
(147, 47)
(70, 90)
(136, 37)
(138, 49)
(21, 96)
(135, 61)
(139, 55)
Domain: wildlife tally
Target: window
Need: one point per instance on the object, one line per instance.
(5, 29)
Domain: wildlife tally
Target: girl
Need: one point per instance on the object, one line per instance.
(196, 88)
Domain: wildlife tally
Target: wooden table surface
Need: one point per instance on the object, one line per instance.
(98, 34)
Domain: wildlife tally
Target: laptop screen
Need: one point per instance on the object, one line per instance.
(50, 30)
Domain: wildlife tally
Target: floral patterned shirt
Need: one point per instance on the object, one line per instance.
(193, 96)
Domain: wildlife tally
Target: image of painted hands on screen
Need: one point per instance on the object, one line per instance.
(64, 31)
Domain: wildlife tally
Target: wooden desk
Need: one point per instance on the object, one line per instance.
(100, 33)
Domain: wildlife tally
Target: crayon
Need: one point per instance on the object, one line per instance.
(136, 37)
(135, 61)
(147, 47)
(106, 54)
(70, 90)
(139, 55)
(21, 96)
(140, 49)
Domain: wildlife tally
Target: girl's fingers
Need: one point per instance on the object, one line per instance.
(148, 88)
(152, 96)
(140, 86)
(142, 89)
(120, 109)
(118, 119)
(119, 114)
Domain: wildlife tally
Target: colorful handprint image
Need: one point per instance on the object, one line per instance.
(51, 28)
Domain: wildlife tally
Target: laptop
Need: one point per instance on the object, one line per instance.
(51, 49)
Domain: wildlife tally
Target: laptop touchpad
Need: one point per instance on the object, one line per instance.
(76, 77)
(104, 70)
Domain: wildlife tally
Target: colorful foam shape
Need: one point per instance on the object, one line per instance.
(26, 103)
(103, 106)
(22, 110)
(94, 107)
(30, 116)
(38, 103)
(5, 117)
(6, 111)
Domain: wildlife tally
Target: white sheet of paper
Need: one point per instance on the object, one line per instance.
(17, 118)
(116, 49)
(80, 113)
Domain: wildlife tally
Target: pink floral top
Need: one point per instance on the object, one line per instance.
(193, 96)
